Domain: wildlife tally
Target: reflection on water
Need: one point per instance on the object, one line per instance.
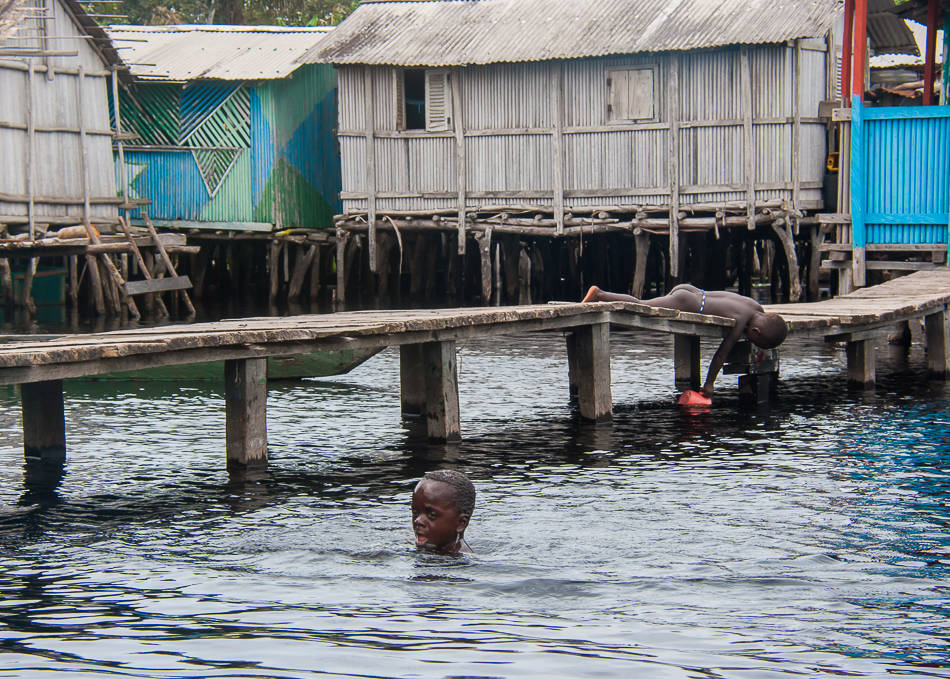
(809, 538)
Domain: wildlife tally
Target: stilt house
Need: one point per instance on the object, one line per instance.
(557, 119)
(56, 160)
(230, 131)
(894, 203)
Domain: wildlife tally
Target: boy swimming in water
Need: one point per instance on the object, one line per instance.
(442, 505)
(766, 331)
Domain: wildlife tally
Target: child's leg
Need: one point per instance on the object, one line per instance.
(595, 294)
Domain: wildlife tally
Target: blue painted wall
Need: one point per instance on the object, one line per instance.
(900, 174)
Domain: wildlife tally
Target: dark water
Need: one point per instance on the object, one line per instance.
(806, 540)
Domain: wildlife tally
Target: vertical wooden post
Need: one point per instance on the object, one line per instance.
(796, 126)
(441, 387)
(686, 361)
(484, 246)
(673, 161)
(591, 366)
(26, 294)
(341, 238)
(95, 285)
(557, 144)
(44, 422)
(412, 383)
(461, 177)
(315, 275)
(787, 239)
(846, 44)
(930, 53)
(858, 190)
(30, 151)
(245, 402)
(938, 343)
(861, 364)
(748, 134)
(641, 241)
(572, 364)
(370, 163)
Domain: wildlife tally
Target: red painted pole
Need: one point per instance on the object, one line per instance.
(930, 60)
(846, 39)
(860, 48)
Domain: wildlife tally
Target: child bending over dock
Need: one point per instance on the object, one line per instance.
(442, 505)
(766, 331)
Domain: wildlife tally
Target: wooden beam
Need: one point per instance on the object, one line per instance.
(370, 162)
(245, 401)
(861, 368)
(673, 162)
(686, 361)
(930, 53)
(441, 388)
(412, 383)
(484, 248)
(557, 143)
(157, 285)
(461, 177)
(44, 423)
(748, 138)
(592, 371)
(938, 343)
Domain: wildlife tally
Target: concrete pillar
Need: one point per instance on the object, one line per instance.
(245, 401)
(441, 391)
(686, 361)
(411, 380)
(938, 343)
(592, 371)
(861, 364)
(44, 422)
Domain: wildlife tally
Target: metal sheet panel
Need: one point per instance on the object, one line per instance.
(905, 154)
(190, 52)
(454, 33)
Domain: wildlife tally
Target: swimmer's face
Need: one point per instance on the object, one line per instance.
(436, 519)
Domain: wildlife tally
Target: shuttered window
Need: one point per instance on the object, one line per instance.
(438, 101)
(630, 94)
(422, 99)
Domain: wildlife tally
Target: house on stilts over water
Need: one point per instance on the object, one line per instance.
(551, 145)
(57, 180)
(894, 201)
(233, 144)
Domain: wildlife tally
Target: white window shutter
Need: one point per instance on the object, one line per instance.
(438, 101)
(399, 97)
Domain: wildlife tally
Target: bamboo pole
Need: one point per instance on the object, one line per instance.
(30, 151)
(673, 162)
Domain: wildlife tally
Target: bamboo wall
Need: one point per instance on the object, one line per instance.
(738, 124)
(55, 135)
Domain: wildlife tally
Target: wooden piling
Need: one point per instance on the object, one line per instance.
(412, 383)
(441, 389)
(590, 364)
(44, 423)
(315, 275)
(937, 328)
(686, 361)
(484, 248)
(861, 368)
(245, 397)
(26, 294)
(642, 244)
(6, 280)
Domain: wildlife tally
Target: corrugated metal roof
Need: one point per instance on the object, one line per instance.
(192, 52)
(457, 33)
(910, 57)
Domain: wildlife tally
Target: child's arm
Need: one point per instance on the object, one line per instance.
(719, 359)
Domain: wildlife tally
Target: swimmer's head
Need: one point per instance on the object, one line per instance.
(766, 331)
(442, 505)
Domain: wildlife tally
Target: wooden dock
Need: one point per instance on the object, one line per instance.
(427, 340)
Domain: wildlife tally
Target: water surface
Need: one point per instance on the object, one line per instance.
(806, 539)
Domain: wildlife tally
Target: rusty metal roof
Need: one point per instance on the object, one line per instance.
(213, 52)
(457, 33)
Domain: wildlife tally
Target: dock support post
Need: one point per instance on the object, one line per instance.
(861, 364)
(758, 389)
(44, 422)
(572, 364)
(441, 390)
(590, 368)
(686, 361)
(412, 383)
(245, 399)
(938, 343)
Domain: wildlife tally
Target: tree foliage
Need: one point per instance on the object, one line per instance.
(232, 12)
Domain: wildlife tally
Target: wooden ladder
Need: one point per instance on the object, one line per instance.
(159, 283)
